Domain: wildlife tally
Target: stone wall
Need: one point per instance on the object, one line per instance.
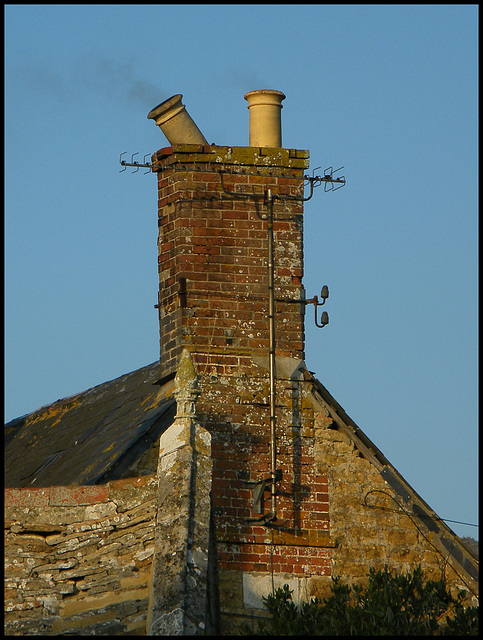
(378, 520)
(79, 558)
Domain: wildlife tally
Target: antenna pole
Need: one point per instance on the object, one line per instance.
(271, 317)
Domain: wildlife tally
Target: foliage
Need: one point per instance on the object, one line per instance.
(390, 605)
(471, 543)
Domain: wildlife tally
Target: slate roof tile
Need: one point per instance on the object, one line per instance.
(85, 438)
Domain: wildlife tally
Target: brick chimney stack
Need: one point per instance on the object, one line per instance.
(213, 275)
(214, 301)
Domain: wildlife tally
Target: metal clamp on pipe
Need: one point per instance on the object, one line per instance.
(259, 489)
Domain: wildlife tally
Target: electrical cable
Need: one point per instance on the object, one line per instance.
(468, 524)
(409, 515)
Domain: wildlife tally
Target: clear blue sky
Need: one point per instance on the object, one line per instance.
(388, 91)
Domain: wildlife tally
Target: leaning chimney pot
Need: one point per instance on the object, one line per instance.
(176, 123)
(265, 110)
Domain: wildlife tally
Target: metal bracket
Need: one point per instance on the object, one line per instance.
(324, 294)
(182, 293)
(324, 319)
(259, 488)
(133, 163)
(328, 179)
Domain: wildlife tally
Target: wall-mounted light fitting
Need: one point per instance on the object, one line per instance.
(324, 320)
(324, 294)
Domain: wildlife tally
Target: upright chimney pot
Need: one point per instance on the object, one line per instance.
(176, 123)
(265, 109)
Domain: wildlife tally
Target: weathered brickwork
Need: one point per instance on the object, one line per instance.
(241, 452)
(212, 254)
(79, 558)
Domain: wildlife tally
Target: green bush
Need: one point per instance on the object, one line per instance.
(389, 605)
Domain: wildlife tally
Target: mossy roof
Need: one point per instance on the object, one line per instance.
(88, 438)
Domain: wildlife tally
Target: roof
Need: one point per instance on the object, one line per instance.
(103, 431)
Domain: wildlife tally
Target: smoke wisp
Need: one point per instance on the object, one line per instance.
(117, 80)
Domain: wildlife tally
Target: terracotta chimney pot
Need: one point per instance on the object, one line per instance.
(265, 107)
(176, 123)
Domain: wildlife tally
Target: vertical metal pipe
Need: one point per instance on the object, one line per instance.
(271, 317)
